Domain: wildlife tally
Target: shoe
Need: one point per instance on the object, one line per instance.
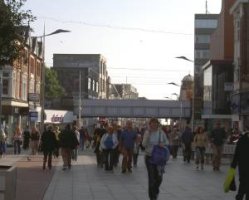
(64, 168)
(123, 171)
(197, 166)
(202, 167)
(129, 170)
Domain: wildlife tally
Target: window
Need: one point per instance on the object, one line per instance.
(38, 73)
(206, 23)
(89, 83)
(97, 87)
(5, 87)
(202, 54)
(32, 65)
(24, 88)
(202, 39)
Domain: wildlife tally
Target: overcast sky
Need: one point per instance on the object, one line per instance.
(139, 38)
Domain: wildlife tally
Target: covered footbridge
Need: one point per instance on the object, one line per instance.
(134, 108)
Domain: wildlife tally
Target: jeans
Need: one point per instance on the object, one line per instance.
(217, 153)
(127, 159)
(17, 146)
(47, 157)
(108, 158)
(154, 178)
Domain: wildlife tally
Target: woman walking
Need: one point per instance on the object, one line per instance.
(200, 143)
(34, 140)
(153, 136)
(108, 143)
(17, 140)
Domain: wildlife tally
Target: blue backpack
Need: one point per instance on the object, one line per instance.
(109, 142)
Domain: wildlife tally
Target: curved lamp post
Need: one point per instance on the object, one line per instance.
(193, 96)
(42, 92)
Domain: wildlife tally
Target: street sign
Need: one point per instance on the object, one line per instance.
(33, 115)
(35, 97)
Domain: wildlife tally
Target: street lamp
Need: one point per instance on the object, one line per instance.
(42, 86)
(193, 93)
(173, 83)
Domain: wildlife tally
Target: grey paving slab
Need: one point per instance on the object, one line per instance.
(86, 181)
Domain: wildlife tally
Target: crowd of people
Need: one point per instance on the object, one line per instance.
(109, 142)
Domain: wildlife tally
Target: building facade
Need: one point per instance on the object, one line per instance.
(218, 72)
(21, 84)
(240, 96)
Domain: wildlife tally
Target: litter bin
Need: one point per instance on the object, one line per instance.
(7, 182)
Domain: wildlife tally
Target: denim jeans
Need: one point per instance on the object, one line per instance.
(17, 146)
(154, 179)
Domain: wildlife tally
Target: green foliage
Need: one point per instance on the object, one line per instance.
(52, 87)
(12, 23)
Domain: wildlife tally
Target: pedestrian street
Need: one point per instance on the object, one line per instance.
(181, 181)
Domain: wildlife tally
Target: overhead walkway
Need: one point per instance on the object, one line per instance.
(134, 108)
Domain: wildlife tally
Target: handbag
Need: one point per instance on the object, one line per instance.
(159, 155)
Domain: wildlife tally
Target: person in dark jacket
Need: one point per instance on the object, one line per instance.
(26, 138)
(48, 145)
(241, 159)
(187, 139)
(217, 137)
(98, 133)
(68, 141)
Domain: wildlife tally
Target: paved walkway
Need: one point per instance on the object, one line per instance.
(181, 181)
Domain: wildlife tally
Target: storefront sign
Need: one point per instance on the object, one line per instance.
(59, 116)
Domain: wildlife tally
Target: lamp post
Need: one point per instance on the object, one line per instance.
(193, 91)
(42, 92)
(178, 98)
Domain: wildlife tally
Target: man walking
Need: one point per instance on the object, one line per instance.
(187, 139)
(127, 140)
(68, 141)
(217, 137)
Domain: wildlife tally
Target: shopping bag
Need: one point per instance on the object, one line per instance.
(229, 180)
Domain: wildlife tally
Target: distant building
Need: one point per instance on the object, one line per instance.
(124, 91)
(187, 88)
(205, 25)
(91, 68)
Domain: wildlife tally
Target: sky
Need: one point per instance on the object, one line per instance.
(139, 38)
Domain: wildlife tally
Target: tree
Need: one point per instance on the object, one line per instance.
(52, 86)
(12, 21)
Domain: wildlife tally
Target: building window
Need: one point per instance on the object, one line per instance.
(202, 54)
(202, 39)
(89, 83)
(5, 87)
(24, 88)
(97, 87)
(93, 85)
(32, 65)
(206, 23)
(38, 73)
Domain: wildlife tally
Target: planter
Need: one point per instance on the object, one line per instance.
(8, 175)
